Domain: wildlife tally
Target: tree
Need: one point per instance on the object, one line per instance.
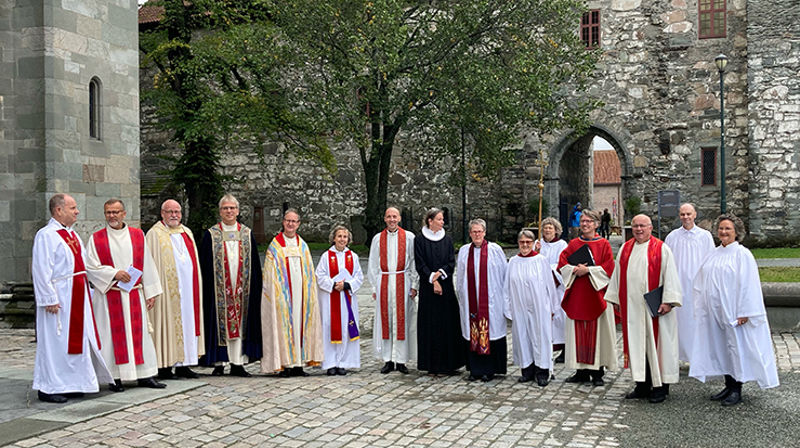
(215, 85)
(484, 69)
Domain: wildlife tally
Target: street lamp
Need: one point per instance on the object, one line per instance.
(721, 61)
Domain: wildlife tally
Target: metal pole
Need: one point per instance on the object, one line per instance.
(722, 202)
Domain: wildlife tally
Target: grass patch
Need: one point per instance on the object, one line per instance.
(779, 274)
(777, 252)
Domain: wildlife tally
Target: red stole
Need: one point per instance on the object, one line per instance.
(400, 285)
(653, 277)
(195, 282)
(75, 341)
(114, 298)
(582, 303)
(478, 305)
(336, 296)
(282, 241)
(233, 299)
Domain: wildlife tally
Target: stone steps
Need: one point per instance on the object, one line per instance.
(17, 306)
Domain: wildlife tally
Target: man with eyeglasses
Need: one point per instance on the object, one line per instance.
(120, 302)
(177, 316)
(645, 265)
(290, 318)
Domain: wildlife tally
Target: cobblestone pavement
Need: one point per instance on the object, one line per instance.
(367, 409)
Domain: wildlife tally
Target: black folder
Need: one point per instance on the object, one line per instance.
(653, 299)
(581, 256)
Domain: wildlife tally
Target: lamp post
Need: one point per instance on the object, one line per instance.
(721, 61)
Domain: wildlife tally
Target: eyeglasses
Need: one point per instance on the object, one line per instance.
(291, 221)
(171, 212)
(114, 212)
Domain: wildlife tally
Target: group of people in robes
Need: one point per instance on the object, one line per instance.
(131, 306)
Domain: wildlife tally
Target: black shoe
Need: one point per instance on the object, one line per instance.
(637, 392)
(657, 398)
(52, 398)
(732, 399)
(331, 371)
(560, 358)
(578, 377)
(598, 381)
(165, 373)
(721, 395)
(219, 371)
(150, 382)
(74, 394)
(542, 381)
(524, 379)
(298, 371)
(239, 371)
(402, 369)
(472, 377)
(185, 372)
(388, 367)
(341, 371)
(116, 386)
(285, 373)
(487, 378)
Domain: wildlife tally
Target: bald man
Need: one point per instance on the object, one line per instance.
(650, 343)
(690, 245)
(177, 316)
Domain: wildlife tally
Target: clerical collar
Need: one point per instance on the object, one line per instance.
(67, 228)
(235, 226)
(334, 249)
(111, 229)
(431, 235)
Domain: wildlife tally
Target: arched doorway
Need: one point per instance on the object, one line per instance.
(571, 173)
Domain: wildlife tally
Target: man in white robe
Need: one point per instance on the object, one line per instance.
(177, 316)
(650, 343)
(690, 245)
(481, 280)
(121, 312)
(393, 276)
(68, 359)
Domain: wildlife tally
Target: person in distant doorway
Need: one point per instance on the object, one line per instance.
(339, 276)
(575, 221)
(605, 224)
(393, 275)
(691, 245)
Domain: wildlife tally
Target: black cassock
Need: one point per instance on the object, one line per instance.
(441, 348)
(251, 339)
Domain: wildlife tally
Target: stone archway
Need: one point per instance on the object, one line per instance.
(569, 177)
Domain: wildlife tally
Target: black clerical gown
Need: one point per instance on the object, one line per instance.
(216, 347)
(439, 343)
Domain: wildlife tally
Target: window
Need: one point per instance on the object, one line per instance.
(94, 108)
(590, 28)
(708, 167)
(711, 18)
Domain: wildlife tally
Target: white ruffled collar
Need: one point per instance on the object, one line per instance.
(431, 235)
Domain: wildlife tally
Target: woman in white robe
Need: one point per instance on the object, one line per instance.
(551, 246)
(732, 335)
(532, 301)
(344, 353)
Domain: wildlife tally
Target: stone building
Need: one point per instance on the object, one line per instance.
(660, 92)
(69, 117)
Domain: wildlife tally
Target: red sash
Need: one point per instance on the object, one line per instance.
(233, 299)
(114, 298)
(75, 340)
(478, 304)
(195, 282)
(282, 241)
(653, 277)
(582, 303)
(336, 296)
(400, 285)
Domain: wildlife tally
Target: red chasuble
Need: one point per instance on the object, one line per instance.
(582, 303)
(336, 296)
(114, 298)
(400, 284)
(653, 278)
(233, 298)
(478, 304)
(75, 341)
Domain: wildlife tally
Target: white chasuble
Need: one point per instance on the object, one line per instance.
(55, 371)
(726, 288)
(102, 277)
(394, 349)
(690, 248)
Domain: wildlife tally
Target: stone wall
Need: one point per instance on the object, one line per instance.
(51, 50)
(773, 59)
